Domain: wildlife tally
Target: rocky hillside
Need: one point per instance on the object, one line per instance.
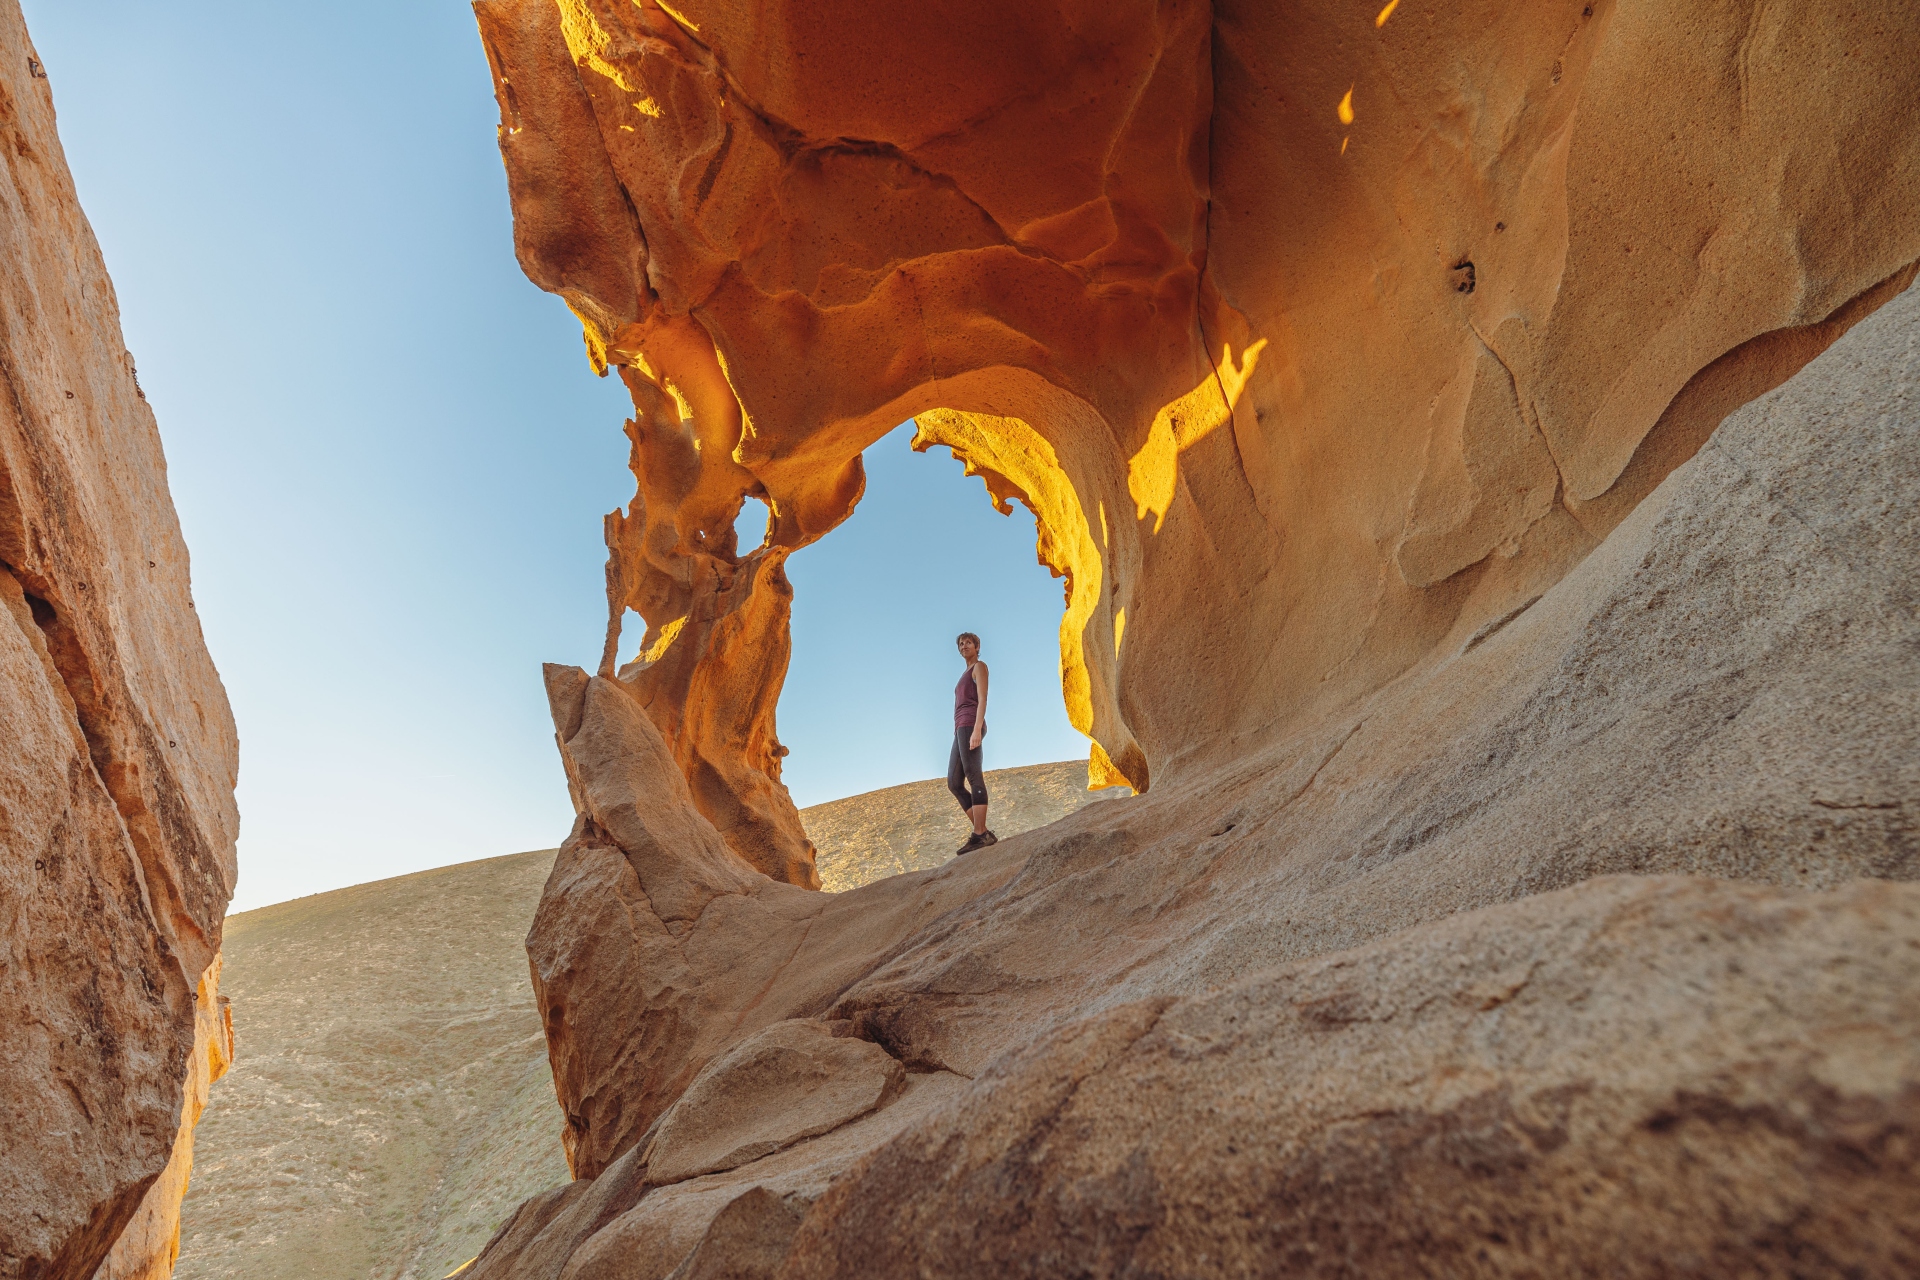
(917, 826)
(390, 1100)
(391, 1103)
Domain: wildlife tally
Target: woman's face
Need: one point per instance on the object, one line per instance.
(969, 650)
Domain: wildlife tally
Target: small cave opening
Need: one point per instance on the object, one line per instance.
(750, 526)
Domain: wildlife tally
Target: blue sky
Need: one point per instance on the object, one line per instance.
(391, 458)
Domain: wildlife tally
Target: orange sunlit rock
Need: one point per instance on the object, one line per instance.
(841, 218)
(1345, 455)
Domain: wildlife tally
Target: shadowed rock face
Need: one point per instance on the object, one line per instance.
(117, 754)
(1361, 376)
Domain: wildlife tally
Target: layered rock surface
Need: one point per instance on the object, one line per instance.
(117, 753)
(1580, 949)
(1357, 368)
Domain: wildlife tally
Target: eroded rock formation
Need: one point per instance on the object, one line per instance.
(117, 754)
(1463, 976)
(1358, 370)
(1294, 399)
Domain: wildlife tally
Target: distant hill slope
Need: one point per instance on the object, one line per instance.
(918, 825)
(390, 1103)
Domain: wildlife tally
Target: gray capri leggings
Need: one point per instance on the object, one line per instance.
(963, 770)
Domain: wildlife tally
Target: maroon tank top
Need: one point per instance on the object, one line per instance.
(966, 701)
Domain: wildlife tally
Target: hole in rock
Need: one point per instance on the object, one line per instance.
(868, 701)
(750, 526)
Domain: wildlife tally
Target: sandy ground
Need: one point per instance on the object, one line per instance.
(390, 1103)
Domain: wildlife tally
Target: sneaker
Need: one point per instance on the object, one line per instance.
(986, 838)
(973, 842)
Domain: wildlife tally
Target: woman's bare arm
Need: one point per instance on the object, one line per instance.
(980, 712)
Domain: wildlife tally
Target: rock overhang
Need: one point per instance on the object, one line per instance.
(1372, 335)
(1310, 340)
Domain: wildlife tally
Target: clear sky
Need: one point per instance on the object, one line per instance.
(391, 458)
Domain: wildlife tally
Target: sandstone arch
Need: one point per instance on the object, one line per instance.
(1359, 365)
(1359, 385)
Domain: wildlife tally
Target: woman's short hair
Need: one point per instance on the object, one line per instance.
(965, 636)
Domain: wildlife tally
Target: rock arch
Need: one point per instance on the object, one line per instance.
(1332, 388)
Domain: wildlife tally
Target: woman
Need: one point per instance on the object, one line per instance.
(969, 727)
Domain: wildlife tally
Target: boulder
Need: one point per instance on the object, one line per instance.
(791, 1081)
(117, 753)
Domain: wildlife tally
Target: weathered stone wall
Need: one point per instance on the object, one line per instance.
(117, 751)
(149, 1245)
